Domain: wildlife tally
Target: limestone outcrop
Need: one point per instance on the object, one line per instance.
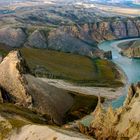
(120, 123)
(12, 81)
(20, 124)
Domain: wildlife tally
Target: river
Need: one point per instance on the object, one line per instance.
(4, 12)
(131, 67)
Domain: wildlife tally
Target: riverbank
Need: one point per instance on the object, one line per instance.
(108, 93)
(113, 46)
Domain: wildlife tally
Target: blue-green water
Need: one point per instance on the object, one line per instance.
(131, 67)
(3, 12)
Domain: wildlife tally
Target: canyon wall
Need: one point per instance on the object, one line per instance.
(79, 39)
(106, 30)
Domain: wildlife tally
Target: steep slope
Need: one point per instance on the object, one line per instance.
(108, 29)
(19, 124)
(132, 50)
(60, 40)
(75, 38)
(79, 70)
(12, 81)
(122, 123)
(30, 92)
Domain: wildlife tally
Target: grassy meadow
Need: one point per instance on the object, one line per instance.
(74, 68)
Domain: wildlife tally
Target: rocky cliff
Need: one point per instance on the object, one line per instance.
(118, 124)
(108, 29)
(83, 38)
(132, 50)
(77, 38)
(12, 81)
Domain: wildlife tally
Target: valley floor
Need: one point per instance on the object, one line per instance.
(109, 93)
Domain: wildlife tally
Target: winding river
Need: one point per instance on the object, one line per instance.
(131, 67)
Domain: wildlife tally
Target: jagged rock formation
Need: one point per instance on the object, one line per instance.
(107, 30)
(66, 42)
(82, 39)
(77, 38)
(12, 81)
(60, 40)
(12, 37)
(30, 92)
(122, 123)
(132, 50)
(38, 39)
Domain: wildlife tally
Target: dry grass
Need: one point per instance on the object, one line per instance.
(78, 69)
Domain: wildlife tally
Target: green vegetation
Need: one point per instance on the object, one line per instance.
(4, 49)
(16, 117)
(24, 113)
(74, 68)
(43, 29)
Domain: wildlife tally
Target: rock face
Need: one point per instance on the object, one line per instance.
(106, 30)
(119, 29)
(12, 80)
(121, 123)
(79, 38)
(64, 41)
(12, 37)
(132, 29)
(38, 39)
(132, 51)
